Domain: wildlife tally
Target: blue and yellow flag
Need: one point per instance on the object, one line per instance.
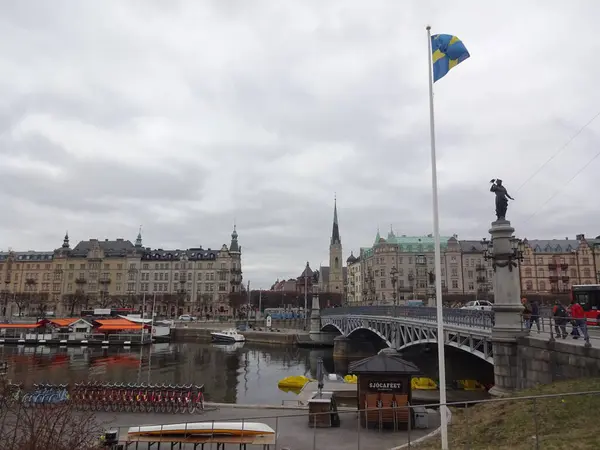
(447, 51)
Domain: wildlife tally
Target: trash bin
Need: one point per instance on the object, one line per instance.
(421, 418)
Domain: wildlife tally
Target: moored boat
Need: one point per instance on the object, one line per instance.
(227, 336)
(203, 429)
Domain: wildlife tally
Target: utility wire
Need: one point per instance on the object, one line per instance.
(559, 151)
(565, 185)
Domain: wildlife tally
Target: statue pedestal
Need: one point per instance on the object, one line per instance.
(507, 309)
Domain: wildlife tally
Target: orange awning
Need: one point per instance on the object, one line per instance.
(131, 326)
(62, 322)
(113, 322)
(20, 325)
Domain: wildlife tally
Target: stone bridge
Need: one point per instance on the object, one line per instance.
(401, 327)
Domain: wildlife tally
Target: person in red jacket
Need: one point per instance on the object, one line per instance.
(579, 320)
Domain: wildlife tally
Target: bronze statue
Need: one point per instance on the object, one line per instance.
(501, 198)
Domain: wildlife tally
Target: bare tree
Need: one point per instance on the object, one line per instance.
(22, 301)
(59, 427)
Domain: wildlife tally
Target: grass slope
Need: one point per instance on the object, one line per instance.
(569, 422)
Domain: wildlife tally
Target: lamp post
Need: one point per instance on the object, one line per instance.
(394, 274)
(511, 260)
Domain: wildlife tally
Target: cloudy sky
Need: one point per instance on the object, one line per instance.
(184, 116)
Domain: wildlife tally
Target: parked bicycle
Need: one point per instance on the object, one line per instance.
(46, 394)
(143, 397)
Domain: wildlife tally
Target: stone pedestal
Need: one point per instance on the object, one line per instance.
(315, 315)
(507, 309)
(341, 347)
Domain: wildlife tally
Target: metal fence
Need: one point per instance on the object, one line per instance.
(452, 316)
(532, 422)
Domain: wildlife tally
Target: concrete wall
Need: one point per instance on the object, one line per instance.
(540, 362)
(260, 337)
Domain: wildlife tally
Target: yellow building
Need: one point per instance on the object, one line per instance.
(553, 266)
(116, 273)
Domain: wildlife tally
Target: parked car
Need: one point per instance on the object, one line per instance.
(482, 305)
(186, 318)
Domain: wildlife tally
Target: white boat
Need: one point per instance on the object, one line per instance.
(203, 429)
(227, 336)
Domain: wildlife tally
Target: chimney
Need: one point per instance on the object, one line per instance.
(580, 237)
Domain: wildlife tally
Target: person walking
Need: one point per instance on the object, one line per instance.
(560, 315)
(535, 315)
(526, 313)
(579, 320)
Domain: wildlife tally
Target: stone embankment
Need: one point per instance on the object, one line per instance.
(200, 332)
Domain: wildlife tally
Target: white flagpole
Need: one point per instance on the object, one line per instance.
(438, 257)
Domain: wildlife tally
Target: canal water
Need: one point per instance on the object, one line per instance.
(239, 373)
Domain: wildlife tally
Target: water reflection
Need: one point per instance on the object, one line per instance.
(231, 373)
(236, 373)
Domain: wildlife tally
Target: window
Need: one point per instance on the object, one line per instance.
(222, 287)
(529, 285)
(586, 272)
(585, 261)
(471, 286)
(383, 283)
(454, 284)
(470, 274)
(542, 285)
(131, 286)
(146, 266)
(454, 272)
(528, 272)
(574, 273)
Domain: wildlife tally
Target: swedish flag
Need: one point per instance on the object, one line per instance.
(447, 52)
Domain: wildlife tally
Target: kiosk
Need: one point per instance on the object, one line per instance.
(384, 389)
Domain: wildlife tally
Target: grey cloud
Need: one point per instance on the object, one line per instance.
(277, 69)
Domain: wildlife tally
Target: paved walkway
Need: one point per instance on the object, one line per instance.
(544, 335)
(291, 427)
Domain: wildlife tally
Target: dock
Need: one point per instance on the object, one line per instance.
(347, 392)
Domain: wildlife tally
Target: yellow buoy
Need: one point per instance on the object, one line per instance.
(350, 379)
(425, 384)
(470, 385)
(293, 382)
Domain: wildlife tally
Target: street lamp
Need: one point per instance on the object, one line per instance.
(394, 274)
(511, 259)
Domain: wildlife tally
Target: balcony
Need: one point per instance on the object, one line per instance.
(553, 278)
(405, 289)
(565, 278)
(481, 279)
(80, 281)
(564, 266)
(480, 268)
(236, 271)
(552, 266)
(104, 281)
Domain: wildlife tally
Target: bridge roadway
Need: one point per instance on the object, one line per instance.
(401, 327)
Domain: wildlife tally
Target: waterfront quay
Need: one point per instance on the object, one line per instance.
(290, 424)
(283, 333)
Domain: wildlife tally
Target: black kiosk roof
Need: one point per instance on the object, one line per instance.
(386, 361)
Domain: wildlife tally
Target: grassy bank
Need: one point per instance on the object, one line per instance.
(564, 422)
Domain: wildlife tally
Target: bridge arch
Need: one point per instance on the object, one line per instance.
(332, 327)
(372, 330)
(481, 355)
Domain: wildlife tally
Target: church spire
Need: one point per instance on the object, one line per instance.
(335, 233)
(138, 241)
(234, 246)
(66, 240)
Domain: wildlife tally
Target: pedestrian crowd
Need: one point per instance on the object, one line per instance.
(572, 315)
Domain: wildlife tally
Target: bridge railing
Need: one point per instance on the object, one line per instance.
(452, 316)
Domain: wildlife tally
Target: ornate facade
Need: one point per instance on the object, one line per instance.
(117, 273)
(403, 264)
